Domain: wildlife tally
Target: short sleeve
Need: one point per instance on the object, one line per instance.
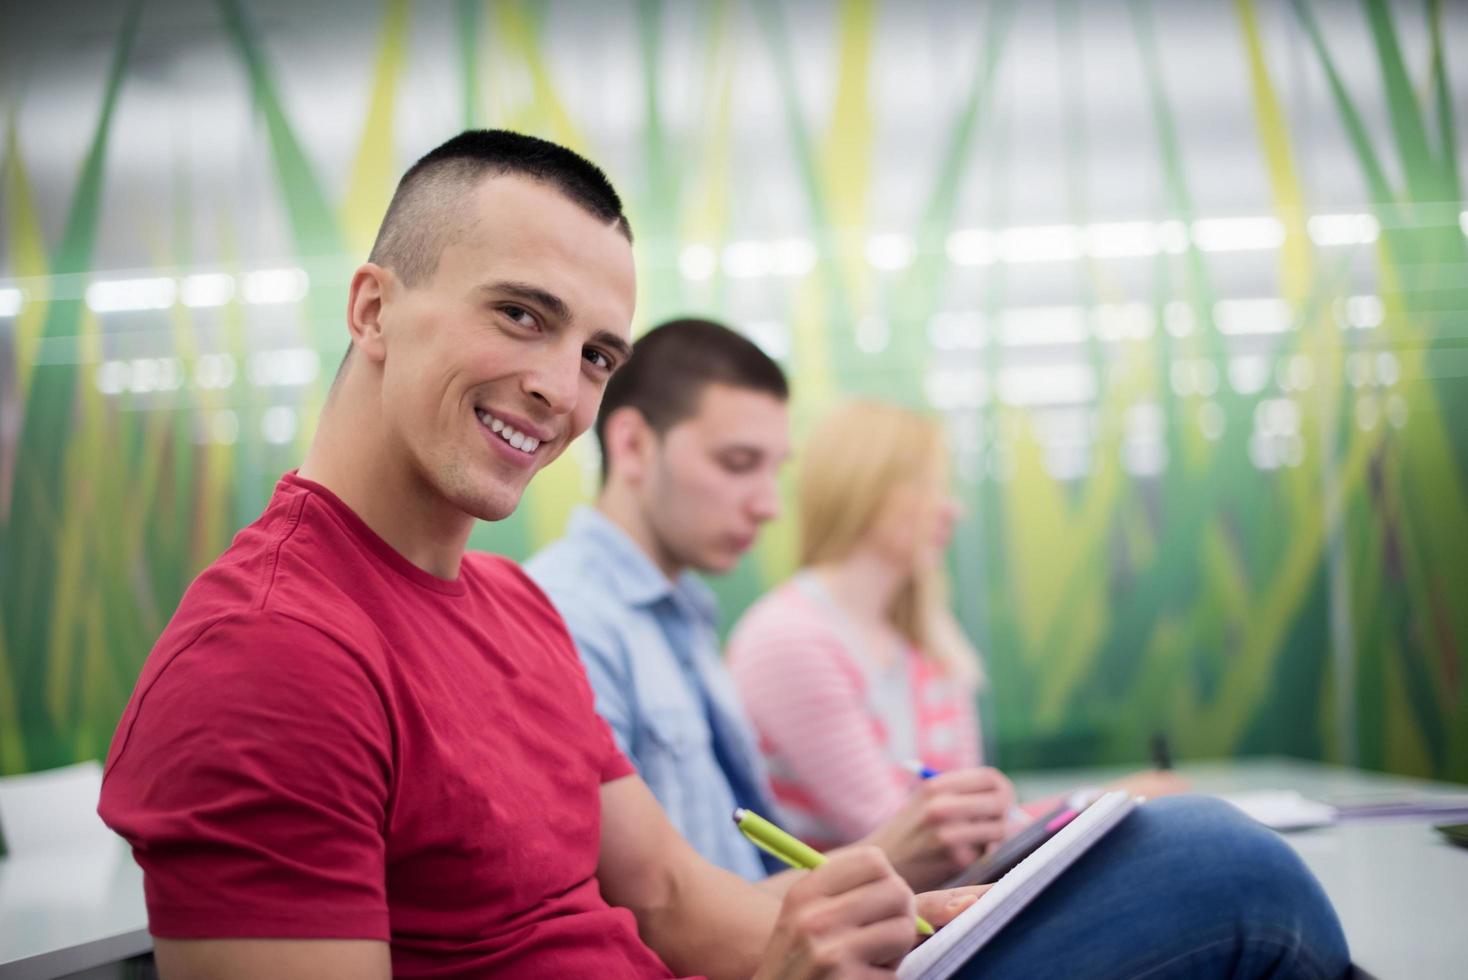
(615, 763)
(252, 775)
(580, 628)
(613, 715)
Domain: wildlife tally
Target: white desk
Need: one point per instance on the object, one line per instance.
(1400, 889)
(65, 912)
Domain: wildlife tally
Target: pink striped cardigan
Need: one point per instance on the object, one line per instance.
(834, 727)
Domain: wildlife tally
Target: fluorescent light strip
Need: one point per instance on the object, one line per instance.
(127, 295)
(957, 331)
(755, 260)
(11, 301)
(889, 253)
(1024, 244)
(278, 424)
(1047, 384)
(1043, 326)
(1238, 234)
(1040, 243)
(697, 262)
(971, 246)
(1240, 317)
(278, 368)
(1343, 229)
(1124, 321)
(206, 289)
(1122, 239)
(269, 286)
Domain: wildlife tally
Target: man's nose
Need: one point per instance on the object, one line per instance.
(555, 379)
(765, 505)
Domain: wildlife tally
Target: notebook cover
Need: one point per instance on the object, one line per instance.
(956, 943)
(987, 870)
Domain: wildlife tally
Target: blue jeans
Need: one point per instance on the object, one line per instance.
(1184, 887)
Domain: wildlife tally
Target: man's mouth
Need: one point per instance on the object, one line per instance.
(519, 440)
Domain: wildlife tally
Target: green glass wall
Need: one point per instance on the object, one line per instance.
(1187, 281)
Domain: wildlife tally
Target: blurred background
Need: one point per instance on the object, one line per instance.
(1187, 281)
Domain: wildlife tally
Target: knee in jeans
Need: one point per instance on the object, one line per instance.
(1247, 869)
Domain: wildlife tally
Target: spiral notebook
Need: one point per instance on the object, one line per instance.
(956, 943)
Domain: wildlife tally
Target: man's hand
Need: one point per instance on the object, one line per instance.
(946, 824)
(851, 917)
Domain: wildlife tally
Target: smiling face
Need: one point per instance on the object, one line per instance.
(712, 480)
(495, 363)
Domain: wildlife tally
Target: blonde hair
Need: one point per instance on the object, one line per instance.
(853, 461)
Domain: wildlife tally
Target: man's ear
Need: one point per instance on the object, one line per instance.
(371, 286)
(630, 444)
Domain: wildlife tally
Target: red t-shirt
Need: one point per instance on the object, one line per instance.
(329, 742)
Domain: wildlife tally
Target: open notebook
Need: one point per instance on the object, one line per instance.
(957, 942)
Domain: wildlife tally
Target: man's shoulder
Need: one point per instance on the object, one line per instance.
(284, 575)
(579, 583)
(578, 578)
(272, 574)
(568, 562)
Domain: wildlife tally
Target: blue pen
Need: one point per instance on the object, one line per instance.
(919, 770)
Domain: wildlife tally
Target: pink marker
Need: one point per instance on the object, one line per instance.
(1061, 819)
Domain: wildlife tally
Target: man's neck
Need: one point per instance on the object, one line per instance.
(390, 497)
(618, 504)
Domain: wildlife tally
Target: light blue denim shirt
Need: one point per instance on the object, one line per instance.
(649, 645)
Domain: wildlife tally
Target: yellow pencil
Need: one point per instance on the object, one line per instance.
(796, 853)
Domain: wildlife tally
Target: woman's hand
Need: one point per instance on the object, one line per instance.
(942, 907)
(946, 824)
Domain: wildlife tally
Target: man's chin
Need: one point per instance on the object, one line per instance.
(494, 506)
(721, 563)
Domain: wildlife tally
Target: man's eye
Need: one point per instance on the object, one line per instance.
(598, 358)
(520, 315)
(738, 464)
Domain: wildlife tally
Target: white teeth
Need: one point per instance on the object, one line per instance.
(522, 442)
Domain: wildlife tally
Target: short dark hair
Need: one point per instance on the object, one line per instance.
(673, 363)
(427, 213)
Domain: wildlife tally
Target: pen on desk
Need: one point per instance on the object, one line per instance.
(796, 853)
(1161, 757)
(1016, 813)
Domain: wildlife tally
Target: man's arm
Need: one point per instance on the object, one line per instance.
(853, 912)
(252, 785)
(698, 917)
(285, 959)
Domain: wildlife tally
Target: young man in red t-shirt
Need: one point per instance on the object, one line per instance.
(357, 751)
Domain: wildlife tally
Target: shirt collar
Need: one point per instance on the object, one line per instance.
(640, 582)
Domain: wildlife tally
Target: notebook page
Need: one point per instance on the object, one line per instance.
(956, 942)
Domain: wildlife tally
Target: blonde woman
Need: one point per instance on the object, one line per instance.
(857, 665)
